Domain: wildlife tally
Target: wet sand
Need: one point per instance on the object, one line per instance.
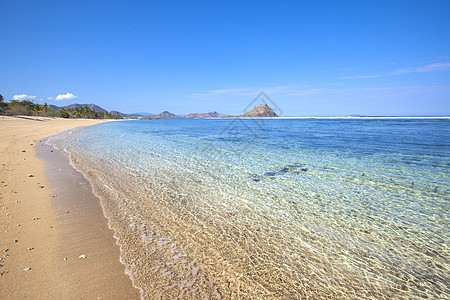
(49, 217)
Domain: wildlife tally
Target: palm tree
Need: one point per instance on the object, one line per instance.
(3, 105)
(37, 108)
(45, 108)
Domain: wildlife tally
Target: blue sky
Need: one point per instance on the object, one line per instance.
(314, 58)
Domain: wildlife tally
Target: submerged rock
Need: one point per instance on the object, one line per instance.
(284, 170)
(270, 174)
(293, 168)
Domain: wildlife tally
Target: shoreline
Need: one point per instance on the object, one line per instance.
(51, 218)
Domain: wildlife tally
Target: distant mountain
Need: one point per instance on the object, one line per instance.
(99, 109)
(260, 111)
(75, 105)
(212, 114)
(54, 107)
(163, 115)
(91, 106)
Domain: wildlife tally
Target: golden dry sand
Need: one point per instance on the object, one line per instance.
(35, 237)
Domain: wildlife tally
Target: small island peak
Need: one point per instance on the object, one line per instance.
(261, 111)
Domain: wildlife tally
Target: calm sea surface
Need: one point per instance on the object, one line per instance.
(280, 208)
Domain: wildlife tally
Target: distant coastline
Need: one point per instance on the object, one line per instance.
(93, 111)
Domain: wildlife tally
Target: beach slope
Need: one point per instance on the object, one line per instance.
(48, 220)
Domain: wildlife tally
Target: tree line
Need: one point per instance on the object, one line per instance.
(28, 108)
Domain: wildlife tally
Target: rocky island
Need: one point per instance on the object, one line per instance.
(260, 111)
(163, 115)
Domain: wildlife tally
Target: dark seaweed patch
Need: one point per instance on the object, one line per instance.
(270, 174)
(295, 165)
(292, 168)
(284, 170)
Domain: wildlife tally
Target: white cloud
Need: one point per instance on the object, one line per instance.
(225, 92)
(247, 92)
(61, 97)
(427, 68)
(278, 91)
(304, 91)
(23, 97)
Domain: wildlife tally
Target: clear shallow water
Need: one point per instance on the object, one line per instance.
(275, 208)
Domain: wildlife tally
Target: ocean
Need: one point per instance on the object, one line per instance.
(274, 208)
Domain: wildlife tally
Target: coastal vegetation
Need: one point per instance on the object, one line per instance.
(85, 113)
(29, 108)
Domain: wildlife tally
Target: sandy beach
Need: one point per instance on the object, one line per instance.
(49, 217)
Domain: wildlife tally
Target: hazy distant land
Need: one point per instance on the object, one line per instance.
(94, 111)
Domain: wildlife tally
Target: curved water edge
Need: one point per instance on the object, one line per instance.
(52, 141)
(311, 207)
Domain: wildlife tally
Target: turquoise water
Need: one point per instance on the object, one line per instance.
(280, 208)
